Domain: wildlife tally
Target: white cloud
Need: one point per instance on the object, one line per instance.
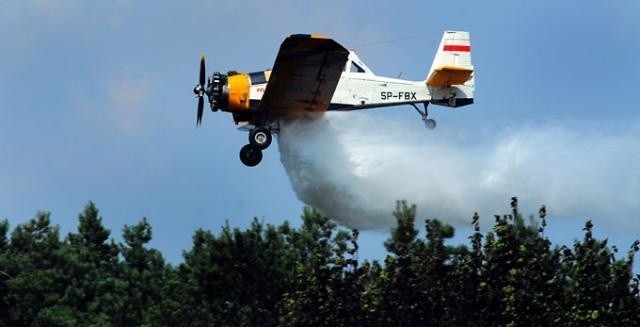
(128, 103)
(119, 104)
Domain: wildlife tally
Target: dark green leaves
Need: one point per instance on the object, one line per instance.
(281, 275)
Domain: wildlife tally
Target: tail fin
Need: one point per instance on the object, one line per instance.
(450, 78)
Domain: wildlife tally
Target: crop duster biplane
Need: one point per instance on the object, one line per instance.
(313, 74)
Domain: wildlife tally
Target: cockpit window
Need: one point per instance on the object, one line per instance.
(257, 78)
(355, 68)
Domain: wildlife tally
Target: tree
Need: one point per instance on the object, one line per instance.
(402, 295)
(598, 290)
(4, 266)
(92, 266)
(237, 277)
(520, 274)
(324, 289)
(280, 275)
(33, 260)
(143, 272)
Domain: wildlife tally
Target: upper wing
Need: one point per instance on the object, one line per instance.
(305, 75)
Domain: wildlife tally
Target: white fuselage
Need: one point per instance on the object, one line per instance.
(360, 88)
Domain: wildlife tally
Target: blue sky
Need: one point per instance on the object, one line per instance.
(96, 101)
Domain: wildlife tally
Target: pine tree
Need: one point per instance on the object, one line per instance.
(4, 275)
(94, 287)
(402, 294)
(143, 274)
(34, 262)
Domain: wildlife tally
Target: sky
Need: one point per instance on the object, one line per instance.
(96, 102)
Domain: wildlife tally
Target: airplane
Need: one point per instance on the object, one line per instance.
(313, 74)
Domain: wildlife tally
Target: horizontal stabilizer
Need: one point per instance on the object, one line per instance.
(449, 75)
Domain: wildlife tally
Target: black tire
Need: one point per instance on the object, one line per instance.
(250, 155)
(260, 137)
(430, 123)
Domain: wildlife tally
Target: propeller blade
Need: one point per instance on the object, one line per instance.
(202, 71)
(200, 110)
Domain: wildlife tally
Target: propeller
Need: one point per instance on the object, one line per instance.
(214, 89)
(199, 92)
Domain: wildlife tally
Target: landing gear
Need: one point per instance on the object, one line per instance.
(428, 122)
(260, 137)
(250, 155)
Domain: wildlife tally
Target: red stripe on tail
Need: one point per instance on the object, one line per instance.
(460, 48)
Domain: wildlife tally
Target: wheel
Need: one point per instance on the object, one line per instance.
(250, 155)
(260, 137)
(430, 123)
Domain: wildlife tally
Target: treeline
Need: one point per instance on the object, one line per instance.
(280, 275)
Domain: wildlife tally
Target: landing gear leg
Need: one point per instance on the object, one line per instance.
(428, 122)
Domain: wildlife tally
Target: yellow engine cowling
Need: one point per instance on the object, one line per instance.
(239, 87)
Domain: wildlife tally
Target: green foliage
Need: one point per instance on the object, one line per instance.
(323, 288)
(280, 275)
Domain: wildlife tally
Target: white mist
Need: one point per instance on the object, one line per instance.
(353, 167)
